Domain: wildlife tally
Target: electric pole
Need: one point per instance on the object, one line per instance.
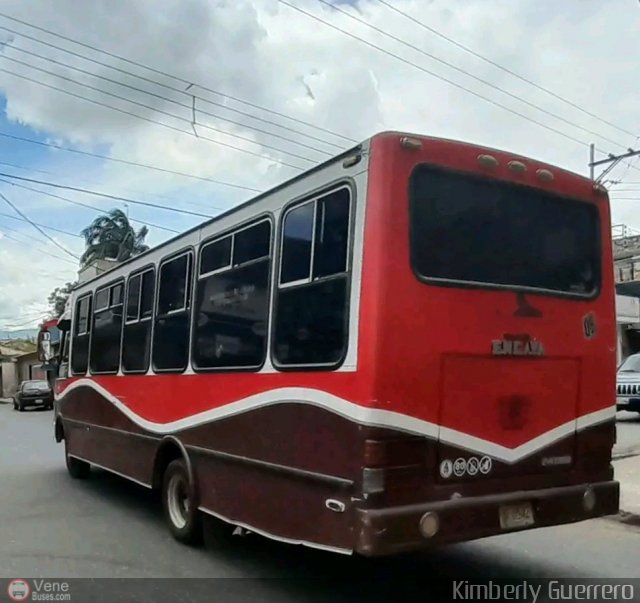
(612, 160)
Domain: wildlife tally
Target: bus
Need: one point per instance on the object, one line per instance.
(409, 345)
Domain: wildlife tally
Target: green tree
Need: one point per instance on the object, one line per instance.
(111, 236)
(58, 299)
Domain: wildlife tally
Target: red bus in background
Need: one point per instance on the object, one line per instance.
(410, 345)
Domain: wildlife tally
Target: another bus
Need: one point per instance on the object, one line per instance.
(409, 345)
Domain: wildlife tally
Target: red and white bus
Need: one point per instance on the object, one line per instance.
(409, 345)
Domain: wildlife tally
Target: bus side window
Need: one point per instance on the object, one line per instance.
(312, 296)
(232, 300)
(81, 336)
(107, 330)
(136, 343)
(171, 329)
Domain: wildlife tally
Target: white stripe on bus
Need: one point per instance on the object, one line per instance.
(374, 417)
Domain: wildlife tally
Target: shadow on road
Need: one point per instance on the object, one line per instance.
(303, 574)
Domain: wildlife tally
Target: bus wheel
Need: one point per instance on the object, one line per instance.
(179, 503)
(77, 469)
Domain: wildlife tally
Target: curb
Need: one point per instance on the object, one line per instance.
(5, 401)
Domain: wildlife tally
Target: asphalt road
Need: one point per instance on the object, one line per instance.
(628, 433)
(53, 526)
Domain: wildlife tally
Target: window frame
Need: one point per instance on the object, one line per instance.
(74, 322)
(475, 285)
(263, 217)
(326, 190)
(117, 281)
(138, 272)
(188, 251)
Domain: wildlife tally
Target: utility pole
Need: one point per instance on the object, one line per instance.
(612, 160)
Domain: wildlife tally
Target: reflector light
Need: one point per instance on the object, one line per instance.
(517, 166)
(545, 175)
(598, 189)
(351, 161)
(488, 161)
(429, 524)
(372, 480)
(410, 143)
(589, 500)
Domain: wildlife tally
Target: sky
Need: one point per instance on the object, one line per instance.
(243, 94)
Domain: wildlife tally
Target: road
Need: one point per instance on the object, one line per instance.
(628, 433)
(51, 525)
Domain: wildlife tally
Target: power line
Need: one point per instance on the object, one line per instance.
(465, 72)
(40, 230)
(433, 74)
(135, 192)
(169, 75)
(85, 205)
(177, 90)
(127, 162)
(155, 110)
(502, 68)
(52, 228)
(39, 249)
(106, 195)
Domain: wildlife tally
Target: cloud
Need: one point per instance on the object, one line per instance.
(265, 52)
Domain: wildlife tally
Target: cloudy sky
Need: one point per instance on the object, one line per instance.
(276, 91)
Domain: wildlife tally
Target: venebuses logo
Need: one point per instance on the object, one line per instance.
(18, 590)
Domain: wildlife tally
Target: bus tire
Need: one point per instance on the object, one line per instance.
(180, 504)
(77, 469)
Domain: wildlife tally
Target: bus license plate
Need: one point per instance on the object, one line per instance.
(516, 516)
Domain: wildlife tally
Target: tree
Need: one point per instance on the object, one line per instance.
(111, 236)
(58, 299)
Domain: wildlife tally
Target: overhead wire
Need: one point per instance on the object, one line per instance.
(502, 67)
(105, 195)
(466, 73)
(177, 78)
(156, 110)
(135, 192)
(45, 226)
(177, 90)
(85, 205)
(434, 74)
(60, 147)
(40, 230)
(40, 250)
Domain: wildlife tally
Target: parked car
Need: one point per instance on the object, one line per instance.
(33, 393)
(628, 384)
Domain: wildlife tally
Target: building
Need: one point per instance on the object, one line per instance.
(626, 261)
(17, 365)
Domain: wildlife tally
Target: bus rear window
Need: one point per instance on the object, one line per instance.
(466, 229)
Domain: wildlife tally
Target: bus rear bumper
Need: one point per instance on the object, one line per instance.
(403, 529)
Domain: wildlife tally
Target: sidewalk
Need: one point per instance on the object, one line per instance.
(627, 472)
